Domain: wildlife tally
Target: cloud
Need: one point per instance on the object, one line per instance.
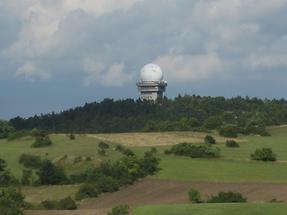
(106, 42)
(114, 76)
(30, 71)
(183, 68)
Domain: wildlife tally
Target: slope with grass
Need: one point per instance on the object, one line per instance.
(214, 209)
(83, 146)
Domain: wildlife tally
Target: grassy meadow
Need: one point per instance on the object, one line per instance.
(234, 165)
(214, 209)
(83, 146)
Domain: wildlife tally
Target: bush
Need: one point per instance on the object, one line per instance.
(102, 152)
(107, 184)
(37, 133)
(26, 177)
(63, 204)
(11, 201)
(120, 210)
(194, 151)
(231, 144)
(17, 135)
(49, 174)
(264, 154)
(67, 204)
(87, 190)
(72, 137)
(103, 145)
(128, 152)
(209, 140)
(30, 161)
(42, 141)
(110, 176)
(229, 130)
(227, 197)
(119, 148)
(5, 129)
(6, 179)
(194, 195)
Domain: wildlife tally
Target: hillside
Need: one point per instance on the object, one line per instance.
(184, 113)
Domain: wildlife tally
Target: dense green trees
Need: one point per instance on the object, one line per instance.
(230, 116)
(49, 174)
(110, 176)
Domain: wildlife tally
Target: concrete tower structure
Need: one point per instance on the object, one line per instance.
(151, 84)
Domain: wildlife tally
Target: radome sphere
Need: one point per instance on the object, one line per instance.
(151, 72)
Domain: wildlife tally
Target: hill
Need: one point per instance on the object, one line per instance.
(231, 116)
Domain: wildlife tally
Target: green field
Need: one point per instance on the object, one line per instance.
(234, 165)
(187, 169)
(83, 146)
(214, 209)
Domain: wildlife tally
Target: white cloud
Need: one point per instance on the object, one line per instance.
(191, 40)
(98, 74)
(30, 71)
(185, 68)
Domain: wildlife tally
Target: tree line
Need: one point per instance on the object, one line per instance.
(230, 116)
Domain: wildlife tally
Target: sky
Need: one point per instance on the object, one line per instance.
(58, 54)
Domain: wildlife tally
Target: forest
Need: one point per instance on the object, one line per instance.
(230, 116)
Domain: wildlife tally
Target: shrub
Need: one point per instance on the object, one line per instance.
(229, 130)
(227, 197)
(26, 177)
(194, 151)
(103, 145)
(67, 204)
(107, 184)
(63, 204)
(42, 141)
(5, 129)
(209, 140)
(17, 135)
(72, 137)
(38, 133)
(78, 159)
(11, 201)
(87, 190)
(264, 154)
(119, 148)
(231, 144)
(194, 195)
(6, 179)
(128, 152)
(102, 152)
(30, 161)
(109, 176)
(49, 174)
(120, 210)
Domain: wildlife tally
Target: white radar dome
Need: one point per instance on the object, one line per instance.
(151, 72)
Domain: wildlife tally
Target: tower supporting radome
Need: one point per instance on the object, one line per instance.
(151, 84)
